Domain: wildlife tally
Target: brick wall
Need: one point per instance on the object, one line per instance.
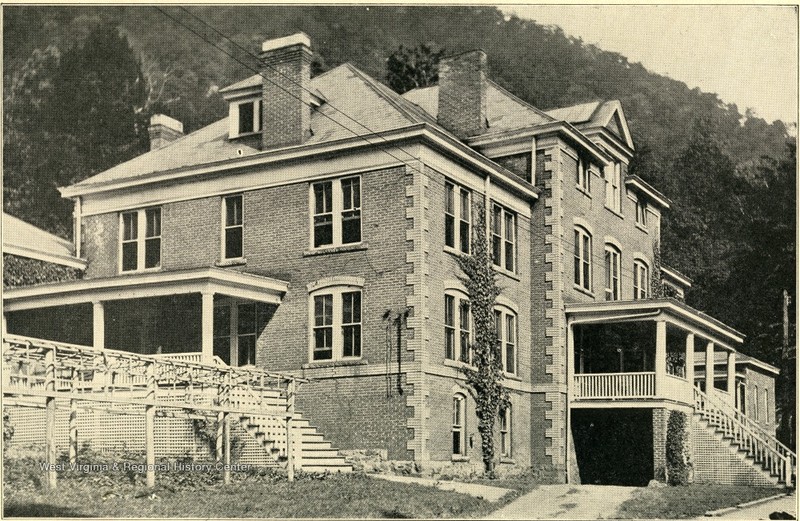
(101, 242)
(660, 419)
(755, 378)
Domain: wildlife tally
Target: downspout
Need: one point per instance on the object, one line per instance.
(76, 233)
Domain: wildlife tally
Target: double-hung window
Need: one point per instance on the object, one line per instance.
(583, 259)
(613, 174)
(237, 326)
(641, 213)
(457, 332)
(459, 427)
(583, 176)
(336, 324)
(641, 279)
(457, 217)
(336, 212)
(504, 233)
(233, 229)
(505, 432)
(612, 258)
(140, 240)
(505, 323)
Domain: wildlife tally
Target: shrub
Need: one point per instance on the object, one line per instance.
(677, 454)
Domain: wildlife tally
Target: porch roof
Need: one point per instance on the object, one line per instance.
(143, 285)
(675, 311)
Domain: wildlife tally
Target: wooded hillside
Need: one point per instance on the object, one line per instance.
(732, 176)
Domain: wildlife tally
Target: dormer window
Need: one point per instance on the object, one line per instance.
(245, 117)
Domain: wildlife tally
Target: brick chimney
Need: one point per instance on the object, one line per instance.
(286, 71)
(462, 93)
(163, 130)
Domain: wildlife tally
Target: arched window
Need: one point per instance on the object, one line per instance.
(505, 321)
(505, 432)
(457, 326)
(459, 425)
(613, 267)
(335, 319)
(583, 258)
(641, 279)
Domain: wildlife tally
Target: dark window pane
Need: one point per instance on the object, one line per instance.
(352, 340)
(130, 253)
(457, 442)
(222, 321)
(510, 256)
(233, 243)
(247, 349)
(351, 193)
(323, 197)
(233, 211)
(152, 253)
(496, 249)
(351, 226)
(247, 318)
(464, 236)
(450, 231)
(323, 342)
(323, 310)
(323, 230)
(497, 220)
(351, 307)
(245, 118)
(465, 209)
(449, 310)
(449, 199)
(262, 316)
(509, 358)
(450, 343)
(130, 225)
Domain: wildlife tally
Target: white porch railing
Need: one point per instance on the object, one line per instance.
(677, 389)
(605, 386)
(194, 357)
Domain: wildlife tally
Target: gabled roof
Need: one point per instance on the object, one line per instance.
(503, 110)
(26, 240)
(370, 107)
(597, 115)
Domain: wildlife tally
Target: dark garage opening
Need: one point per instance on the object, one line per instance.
(614, 446)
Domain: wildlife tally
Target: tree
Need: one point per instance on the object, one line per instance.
(409, 69)
(68, 116)
(485, 375)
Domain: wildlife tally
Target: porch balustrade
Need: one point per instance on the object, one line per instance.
(605, 386)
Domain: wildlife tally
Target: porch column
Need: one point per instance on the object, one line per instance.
(661, 356)
(689, 356)
(98, 325)
(732, 378)
(207, 342)
(710, 368)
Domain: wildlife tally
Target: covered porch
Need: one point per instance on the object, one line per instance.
(208, 315)
(635, 353)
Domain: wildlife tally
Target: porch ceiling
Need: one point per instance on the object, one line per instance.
(143, 285)
(671, 310)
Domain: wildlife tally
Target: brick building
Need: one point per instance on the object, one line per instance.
(316, 231)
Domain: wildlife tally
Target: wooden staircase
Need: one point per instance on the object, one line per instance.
(747, 439)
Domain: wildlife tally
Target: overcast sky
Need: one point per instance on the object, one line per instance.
(746, 54)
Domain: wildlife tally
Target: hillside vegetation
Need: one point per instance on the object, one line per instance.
(731, 176)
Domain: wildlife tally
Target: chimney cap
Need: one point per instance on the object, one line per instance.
(287, 41)
(164, 120)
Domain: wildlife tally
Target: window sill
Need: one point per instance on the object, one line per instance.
(320, 364)
(224, 263)
(453, 251)
(512, 376)
(457, 458)
(509, 274)
(143, 270)
(584, 191)
(457, 364)
(618, 214)
(324, 250)
(583, 290)
(643, 228)
(507, 461)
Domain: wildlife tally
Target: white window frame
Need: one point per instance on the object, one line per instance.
(766, 405)
(233, 117)
(506, 337)
(337, 325)
(641, 279)
(459, 424)
(458, 327)
(459, 216)
(140, 240)
(224, 227)
(613, 289)
(505, 237)
(585, 258)
(613, 176)
(337, 210)
(584, 180)
(506, 433)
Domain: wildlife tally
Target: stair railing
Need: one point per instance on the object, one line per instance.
(760, 445)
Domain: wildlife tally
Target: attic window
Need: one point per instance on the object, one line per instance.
(245, 117)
